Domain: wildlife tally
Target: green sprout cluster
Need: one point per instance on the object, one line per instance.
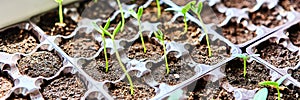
(262, 94)
(245, 57)
(138, 16)
(160, 36)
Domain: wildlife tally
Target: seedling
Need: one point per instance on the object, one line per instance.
(60, 12)
(197, 10)
(138, 16)
(112, 36)
(95, 1)
(160, 36)
(263, 93)
(245, 57)
(122, 14)
(183, 10)
(158, 8)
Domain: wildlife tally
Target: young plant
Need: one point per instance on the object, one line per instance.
(95, 1)
(183, 10)
(138, 16)
(60, 12)
(245, 57)
(263, 93)
(122, 14)
(112, 36)
(197, 10)
(158, 9)
(160, 36)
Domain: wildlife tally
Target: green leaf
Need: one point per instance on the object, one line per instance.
(140, 12)
(283, 78)
(159, 35)
(117, 29)
(176, 95)
(269, 83)
(107, 24)
(200, 6)
(262, 94)
(241, 55)
(133, 13)
(100, 29)
(187, 7)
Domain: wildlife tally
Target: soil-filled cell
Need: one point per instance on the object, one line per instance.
(287, 93)
(5, 86)
(294, 34)
(65, 87)
(41, 63)
(207, 90)
(179, 70)
(235, 76)
(277, 55)
(96, 68)
(121, 90)
(49, 24)
(15, 40)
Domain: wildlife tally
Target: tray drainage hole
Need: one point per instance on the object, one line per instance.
(149, 65)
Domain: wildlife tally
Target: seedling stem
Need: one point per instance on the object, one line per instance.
(158, 8)
(60, 13)
(160, 36)
(122, 14)
(245, 57)
(138, 16)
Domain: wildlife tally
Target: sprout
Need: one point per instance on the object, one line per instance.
(160, 36)
(112, 36)
(95, 1)
(158, 8)
(138, 16)
(60, 12)
(245, 57)
(122, 14)
(263, 93)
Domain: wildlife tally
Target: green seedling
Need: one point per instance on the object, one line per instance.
(184, 11)
(158, 8)
(95, 0)
(112, 36)
(122, 14)
(245, 57)
(138, 16)
(263, 93)
(60, 12)
(160, 36)
(197, 10)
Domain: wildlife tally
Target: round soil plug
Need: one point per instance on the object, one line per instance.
(41, 63)
(5, 86)
(66, 87)
(121, 91)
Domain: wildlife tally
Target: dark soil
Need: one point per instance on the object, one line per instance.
(15, 40)
(121, 90)
(234, 74)
(286, 4)
(207, 90)
(5, 86)
(294, 34)
(96, 68)
(65, 87)
(18, 97)
(237, 33)
(277, 55)
(136, 50)
(48, 20)
(239, 3)
(179, 70)
(296, 74)
(81, 45)
(42, 63)
(220, 51)
(150, 14)
(289, 93)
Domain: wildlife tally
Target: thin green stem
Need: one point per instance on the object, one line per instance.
(61, 20)
(105, 54)
(158, 9)
(245, 67)
(277, 88)
(165, 54)
(141, 35)
(122, 14)
(206, 35)
(185, 23)
(123, 67)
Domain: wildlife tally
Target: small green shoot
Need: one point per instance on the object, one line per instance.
(122, 14)
(138, 16)
(184, 11)
(112, 36)
(158, 9)
(160, 36)
(245, 57)
(60, 13)
(95, 1)
(197, 10)
(263, 94)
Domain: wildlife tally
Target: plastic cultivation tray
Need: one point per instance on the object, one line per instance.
(42, 60)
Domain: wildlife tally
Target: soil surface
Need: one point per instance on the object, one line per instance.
(289, 93)
(81, 45)
(235, 76)
(121, 90)
(179, 70)
(65, 87)
(96, 68)
(294, 34)
(48, 20)
(220, 51)
(207, 90)
(286, 4)
(154, 50)
(5, 86)
(15, 40)
(42, 63)
(277, 55)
